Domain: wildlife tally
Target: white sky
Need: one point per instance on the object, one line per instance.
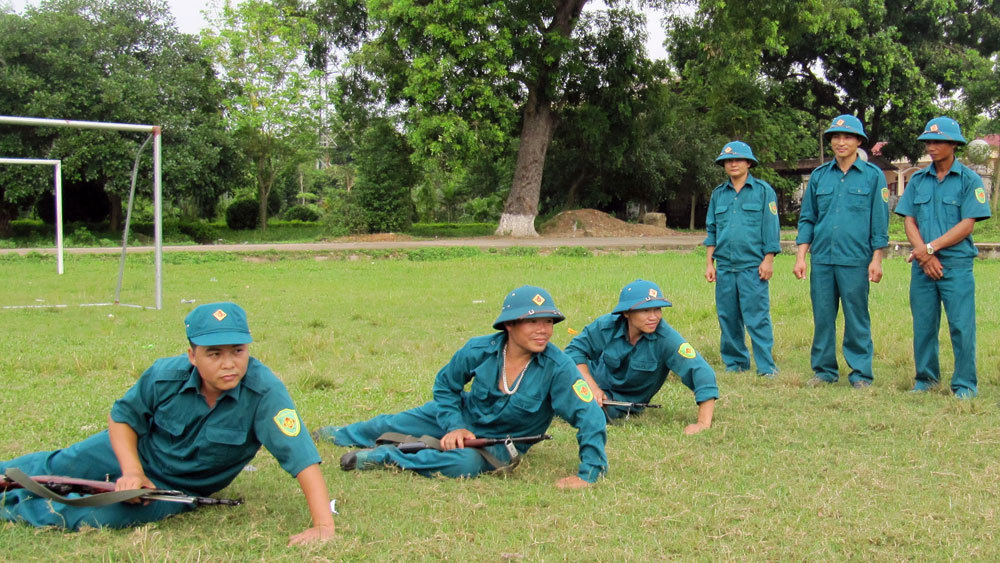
(190, 19)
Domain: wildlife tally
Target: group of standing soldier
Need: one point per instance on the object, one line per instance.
(843, 224)
(193, 421)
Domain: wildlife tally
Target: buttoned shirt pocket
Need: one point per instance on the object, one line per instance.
(859, 198)
(525, 402)
(480, 388)
(224, 442)
(752, 213)
(922, 206)
(721, 217)
(644, 367)
(951, 210)
(169, 424)
(824, 197)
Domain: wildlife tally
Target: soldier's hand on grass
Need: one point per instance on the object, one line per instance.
(316, 534)
(456, 439)
(571, 482)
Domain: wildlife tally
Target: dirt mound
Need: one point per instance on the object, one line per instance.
(594, 223)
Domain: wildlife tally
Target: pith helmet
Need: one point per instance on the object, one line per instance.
(640, 294)
(528, 302)
(942, 129)
(846, 124)
(734, 150)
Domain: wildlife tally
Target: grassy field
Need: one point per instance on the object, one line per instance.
(786, 472)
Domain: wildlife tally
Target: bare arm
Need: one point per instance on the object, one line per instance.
(125, 443)
(710, 264)
(705, 411)
(314, 489)
(875, 267)
(800, 261)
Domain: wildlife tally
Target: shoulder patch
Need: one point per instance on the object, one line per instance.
(583, 391)
(687, 351)
(773, 207)
(287, 421)
(885, 195)
(980, 195)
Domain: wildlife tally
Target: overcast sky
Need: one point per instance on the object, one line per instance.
(190, 19)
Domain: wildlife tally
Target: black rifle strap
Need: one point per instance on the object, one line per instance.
(499, 467)
(100, 499)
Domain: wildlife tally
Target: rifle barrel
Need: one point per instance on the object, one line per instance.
(610, 403)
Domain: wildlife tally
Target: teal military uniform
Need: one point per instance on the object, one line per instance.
(743, 227)
(844, 219)
(635, 373)
(183, 443)
(938, 206)
(550, 386)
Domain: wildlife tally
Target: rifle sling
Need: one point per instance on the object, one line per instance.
(499, 467)
(100, 499)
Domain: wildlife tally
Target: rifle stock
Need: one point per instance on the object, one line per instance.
(62, 485)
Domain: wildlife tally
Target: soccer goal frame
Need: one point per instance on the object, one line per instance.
(154, 131)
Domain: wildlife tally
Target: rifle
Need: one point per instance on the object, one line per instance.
(627, 404)
(411, 447)
(54, 487)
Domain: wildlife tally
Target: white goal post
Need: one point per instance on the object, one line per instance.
(58, 184)
(153, 130)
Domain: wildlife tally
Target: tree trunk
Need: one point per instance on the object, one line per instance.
(519, 212)
(115, 215)
(521, 208)
(265, 177)
(574, 188)
(694, 206)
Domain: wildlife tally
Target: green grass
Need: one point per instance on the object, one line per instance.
(786, 473)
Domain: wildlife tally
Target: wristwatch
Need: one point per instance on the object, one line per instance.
(930, 249)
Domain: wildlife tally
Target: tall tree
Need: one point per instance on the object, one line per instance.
(274, 105)
(469, 76)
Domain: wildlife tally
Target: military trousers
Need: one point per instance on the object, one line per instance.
(420, 421)
(831, 286)
(743, 303)
(94, 459)
(957, 292)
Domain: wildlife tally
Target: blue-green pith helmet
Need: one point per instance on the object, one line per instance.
(528, 302)
(942, 129)
(846, 124)
(734, 150)
(640, 294)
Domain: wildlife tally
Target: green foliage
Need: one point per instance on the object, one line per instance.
(199, 231)
(81, 236)
(442, 253)
(302, 213)
(385, 176)
(573, 252)
(242, 214)
(345, 215)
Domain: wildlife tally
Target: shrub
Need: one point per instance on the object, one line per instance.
(199, 231)
(301, 213)
(346, 216)
(241, 215)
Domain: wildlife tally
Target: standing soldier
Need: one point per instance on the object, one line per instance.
(743, 237)
(844, 224)
(940, 207)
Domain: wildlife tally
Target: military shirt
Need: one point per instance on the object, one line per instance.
(845, 217)
(201, 449)
(939, 206)
(551, 386)
(743, 226)
(636, 372)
